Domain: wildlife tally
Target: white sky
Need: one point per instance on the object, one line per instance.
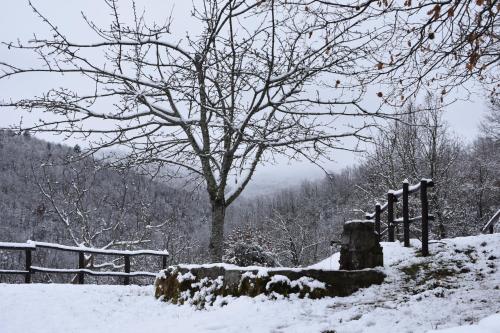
(18, 21)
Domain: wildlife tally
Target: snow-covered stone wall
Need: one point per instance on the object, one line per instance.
(200, 285)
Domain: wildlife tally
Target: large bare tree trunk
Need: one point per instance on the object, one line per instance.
(217, 231)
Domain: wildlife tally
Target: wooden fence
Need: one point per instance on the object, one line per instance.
(81, 271)
(392, 198)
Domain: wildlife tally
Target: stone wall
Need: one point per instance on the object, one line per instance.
(202, 284)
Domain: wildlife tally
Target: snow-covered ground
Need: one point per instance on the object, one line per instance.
(457, 286)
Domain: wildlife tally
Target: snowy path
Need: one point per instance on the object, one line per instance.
(461, 289)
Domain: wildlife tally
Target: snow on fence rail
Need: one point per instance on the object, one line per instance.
(490, 225)
(392, 198)
(97, 251)
(81, 271)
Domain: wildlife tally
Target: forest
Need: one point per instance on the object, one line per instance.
(54, 193)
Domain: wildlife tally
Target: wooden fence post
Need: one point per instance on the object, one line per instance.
(406, 214)
(390, 216)
(377, 220)
(27, 277)
(490, 229)
(81, 265)
(425, 217)
(126, 280)
(163, 262)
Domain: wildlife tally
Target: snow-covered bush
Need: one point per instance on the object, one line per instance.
(244, 247)
(242, 254)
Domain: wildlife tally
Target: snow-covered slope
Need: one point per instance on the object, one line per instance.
(457, 286)
(490, 324)
(330, 263)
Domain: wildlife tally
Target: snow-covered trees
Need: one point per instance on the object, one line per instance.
(251, 81)
(295, 225)
(419, 145)
(44, 197)
(480, 184)
(248, 84)
(102, 208)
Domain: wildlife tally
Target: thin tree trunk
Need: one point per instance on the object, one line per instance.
(217, 231)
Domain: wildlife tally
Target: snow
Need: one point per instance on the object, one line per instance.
(276, 279)
(302, 282)
(489, 324)
(309, 282)
(262, 273)
(382, 209)
(330, 263)
(357, 221)
(20, 246)
(461, 295)
(92, 250)
(185, 277)
(205, 293)
(413, 188)
(396, 193)
(91, 272)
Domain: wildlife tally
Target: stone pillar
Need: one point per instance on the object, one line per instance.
(360, 248)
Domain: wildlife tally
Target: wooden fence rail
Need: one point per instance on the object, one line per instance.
(27, 248)
(392, 198)
(81, 271)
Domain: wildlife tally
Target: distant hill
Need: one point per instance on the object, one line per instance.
(137, 207)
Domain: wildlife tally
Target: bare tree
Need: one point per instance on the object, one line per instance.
(481, 182)
(433, 44)
(259, 81)
(294, 238)
(418, 146)
(72, 193)
(98, 207)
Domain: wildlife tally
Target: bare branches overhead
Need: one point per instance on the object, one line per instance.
(435, 45)
(213, 104)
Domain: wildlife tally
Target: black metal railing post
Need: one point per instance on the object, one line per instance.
(81, 265)
(164, 262)
(425, 217)
(377, 220)
(126, 280)
(27, 277)
(406, 214)
(390, 216)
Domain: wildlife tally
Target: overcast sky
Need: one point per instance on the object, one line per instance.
(18, 21)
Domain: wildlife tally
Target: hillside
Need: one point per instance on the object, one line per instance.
(88, 203)
(458, 285)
